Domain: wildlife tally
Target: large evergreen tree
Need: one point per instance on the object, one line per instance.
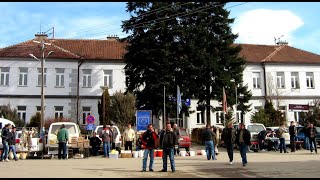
(186, 44)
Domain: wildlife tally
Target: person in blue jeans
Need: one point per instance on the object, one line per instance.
(106, 136)
(209, 138)
(148, 140)
(168, 140)
(5, 138)
(243, 140)
(282, 131)
(12, 142)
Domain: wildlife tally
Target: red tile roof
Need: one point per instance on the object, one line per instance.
(114, 50)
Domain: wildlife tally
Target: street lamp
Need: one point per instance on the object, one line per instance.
(103, 104)
(235, 86)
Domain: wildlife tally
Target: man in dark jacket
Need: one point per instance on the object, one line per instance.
(148, 140)
(168, 140)
(293, 134)
(208, 138)
(243, 140)
(5, 138)
(12, 142)
(177, 132)
(114, 136)
(262, 138)
(95, 143)
(311, 134)
(227, 138)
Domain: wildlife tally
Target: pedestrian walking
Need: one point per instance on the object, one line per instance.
(282, 131)
(208, 137)
(311, 133)
(168, 140)
(12, 143)
(243, 140)
(148, 140)
(129, 136)
(293, 135)
(228, 138)
(215, 131)
(106, 136)
(95, 143)
(177, 132)
(5, 138)
(62, 138)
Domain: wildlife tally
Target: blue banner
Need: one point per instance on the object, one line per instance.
(143, 118)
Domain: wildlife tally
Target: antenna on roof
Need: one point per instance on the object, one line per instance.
(280, 42)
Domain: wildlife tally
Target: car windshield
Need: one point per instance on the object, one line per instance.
(71, 129)
(255, 128)
(99, 130)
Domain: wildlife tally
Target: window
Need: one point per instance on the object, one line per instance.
(44, 76)
(219, 117)
(256, 80)
(4, 77)
(280, 80)
(107, 78)
(58, 112)
(22, 112)
(238, 116)
(39, 109)
(85, 112)
(86, 77)
(200, 118)
(23, 76)
(295, 80)
(60, 77)
(309, 78)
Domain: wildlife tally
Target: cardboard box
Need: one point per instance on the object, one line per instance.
(80, 144)
(74, 140)
(80, 139)
(126, 155)
(73, 145)
(114, 156)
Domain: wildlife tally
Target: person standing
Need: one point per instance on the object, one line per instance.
(282, 131)
(95, 143)
(114, 136)
(311, 133)
(262, 138)
(243, 140)
(228, 137)
(168, 141)
(106, 136)
(62, 138)
(208, 138)
(177, 132)
(148, 140)
(5, 138)
(12, 142)
(129, 136)
(293, 134)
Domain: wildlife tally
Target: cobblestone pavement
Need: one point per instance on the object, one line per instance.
(260, 164)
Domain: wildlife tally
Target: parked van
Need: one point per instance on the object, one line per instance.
(3, 122)
(52, 142)
(118, 141)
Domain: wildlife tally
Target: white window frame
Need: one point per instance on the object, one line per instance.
(57, 112)
(280, 80)
(107, 78)
(4, 76)
(44, 77)
(200, 118)
(295, 80)
(85, 113)
(59, 77)
(23, 76)
(310, 80)
(219, 119)
(256, 77)
(22, 111)
(86, 78)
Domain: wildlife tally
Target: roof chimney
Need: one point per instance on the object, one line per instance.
(112, 37)
(279, 43)
(41, 36)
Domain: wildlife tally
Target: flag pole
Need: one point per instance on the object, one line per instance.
(164, 106)
(177, 105)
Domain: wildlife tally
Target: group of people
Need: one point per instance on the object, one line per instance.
(8, 136)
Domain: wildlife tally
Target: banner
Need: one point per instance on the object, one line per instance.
(143, 118)
(224, 101)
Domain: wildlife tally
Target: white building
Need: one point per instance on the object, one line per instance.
(289, 75)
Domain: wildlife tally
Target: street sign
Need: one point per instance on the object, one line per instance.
(90, 119)
(187, 102)
(143, 118)
(90, 127)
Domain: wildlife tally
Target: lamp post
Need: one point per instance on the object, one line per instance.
(235, 87)
(42, 60)
(103, 104)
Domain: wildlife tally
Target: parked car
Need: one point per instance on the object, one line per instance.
(184, 140)
(118, 141)
(36, 147)
(287, 135)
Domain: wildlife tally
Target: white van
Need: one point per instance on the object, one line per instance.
(118, 138)
(52, 142)
(3, 122)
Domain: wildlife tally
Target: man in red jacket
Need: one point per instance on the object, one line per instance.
(148, 140)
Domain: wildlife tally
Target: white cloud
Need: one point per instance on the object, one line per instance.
(261, 26)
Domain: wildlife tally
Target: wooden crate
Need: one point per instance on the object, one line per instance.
(80, 139)
(74, 145)
(74, 140)
(86, 143)
(126, 155)
(80, 144)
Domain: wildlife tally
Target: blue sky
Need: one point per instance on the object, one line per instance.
(256, 22)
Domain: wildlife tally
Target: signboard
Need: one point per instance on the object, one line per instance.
(298, 107)
(90, 127)
(143, 118)
(90, 119)
(187, 102)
